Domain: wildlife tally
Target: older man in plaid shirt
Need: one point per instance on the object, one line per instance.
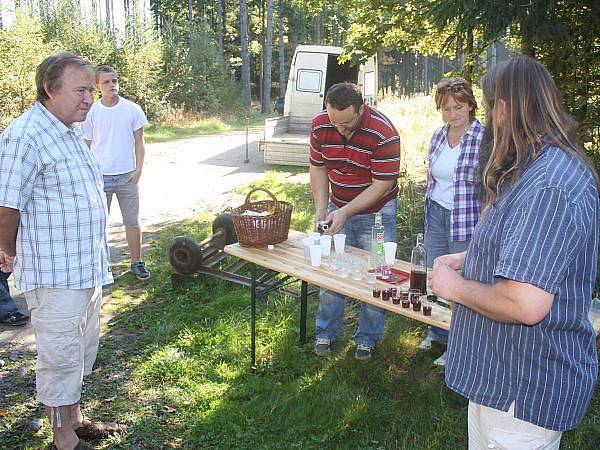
(53, 227)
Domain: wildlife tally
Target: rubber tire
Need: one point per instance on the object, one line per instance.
(185, 255)
(224, 220)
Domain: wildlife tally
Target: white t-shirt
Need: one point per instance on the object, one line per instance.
(111, 131)
(443, 173)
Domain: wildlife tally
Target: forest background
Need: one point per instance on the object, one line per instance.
(186, 58)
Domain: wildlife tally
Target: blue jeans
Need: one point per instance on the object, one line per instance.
(371, 319)
(437, 243)
(7, 304)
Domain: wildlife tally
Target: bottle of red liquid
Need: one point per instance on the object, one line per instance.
(418, 266)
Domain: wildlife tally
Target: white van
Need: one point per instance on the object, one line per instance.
(314, 69)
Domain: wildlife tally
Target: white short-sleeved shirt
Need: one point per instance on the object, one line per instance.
(111, 128)
(442, 171)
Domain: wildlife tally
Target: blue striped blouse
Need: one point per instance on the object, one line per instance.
(542, 231)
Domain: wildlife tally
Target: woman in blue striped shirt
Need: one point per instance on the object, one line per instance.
(452, 204)
(522, 348)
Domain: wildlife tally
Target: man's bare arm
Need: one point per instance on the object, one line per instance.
(9, 224)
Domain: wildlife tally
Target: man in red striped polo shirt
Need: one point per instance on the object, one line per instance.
(355, 150)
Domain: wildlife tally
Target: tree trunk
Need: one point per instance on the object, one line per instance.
(245, 55)
(155, 7)
(190, 29)
(527, 47)
(108, 14)
(267, 60)
(282, 73)
(220, 25)
(470, 54)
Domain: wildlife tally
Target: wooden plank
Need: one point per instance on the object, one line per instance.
(288, 258)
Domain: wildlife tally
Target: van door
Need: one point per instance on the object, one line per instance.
(308, 84)
(367, 81)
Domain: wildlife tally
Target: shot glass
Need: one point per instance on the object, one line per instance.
(414, 295)
(371, 272)
(334, 263)
(356, 268)
(344, 270)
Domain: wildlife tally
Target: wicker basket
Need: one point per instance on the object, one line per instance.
(260, 231)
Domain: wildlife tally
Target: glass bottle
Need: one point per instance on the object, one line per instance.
(418, 266)
(377, 240)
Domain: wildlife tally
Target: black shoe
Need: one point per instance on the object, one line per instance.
(363, 352)
(15, 319)
(139, 270)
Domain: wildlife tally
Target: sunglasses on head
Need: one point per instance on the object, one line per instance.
(456, 86)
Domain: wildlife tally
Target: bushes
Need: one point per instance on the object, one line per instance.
(157, 73)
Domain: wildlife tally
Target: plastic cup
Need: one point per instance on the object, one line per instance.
(325, 241)
(389, 249)
(339, 240)
(315, 236)
(306, 243)
(315, 255)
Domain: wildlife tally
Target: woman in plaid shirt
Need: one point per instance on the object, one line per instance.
(452, 203)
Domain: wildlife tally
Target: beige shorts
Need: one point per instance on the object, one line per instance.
(491, 428)
(66, 323)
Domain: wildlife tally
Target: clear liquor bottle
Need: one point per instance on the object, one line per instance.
(377, 240)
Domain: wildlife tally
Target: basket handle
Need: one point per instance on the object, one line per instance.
(275, 201)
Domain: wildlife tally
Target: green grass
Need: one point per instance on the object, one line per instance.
(158, 132)
(174, 360)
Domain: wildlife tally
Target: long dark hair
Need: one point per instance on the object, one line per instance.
(533, 116)
(488, 88)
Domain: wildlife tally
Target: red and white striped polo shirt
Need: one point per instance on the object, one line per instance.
(373, 152)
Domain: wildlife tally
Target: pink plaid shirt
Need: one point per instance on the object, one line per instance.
(466, 207)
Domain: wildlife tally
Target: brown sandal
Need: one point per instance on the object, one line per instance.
(96, 430)
(80, 446)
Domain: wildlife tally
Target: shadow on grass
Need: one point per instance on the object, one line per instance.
(174, 368)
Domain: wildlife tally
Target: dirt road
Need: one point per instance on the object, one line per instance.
(180, 179)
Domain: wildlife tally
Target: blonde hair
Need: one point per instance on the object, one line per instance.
(459, 89)
(533, 116)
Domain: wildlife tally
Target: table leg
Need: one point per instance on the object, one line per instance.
(253, 317)
(303, 309)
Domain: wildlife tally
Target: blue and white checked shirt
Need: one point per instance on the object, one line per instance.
(467, 205)
(542, 231)
(50, 176)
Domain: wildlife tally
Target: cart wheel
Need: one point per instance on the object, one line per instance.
(185, 255)
(224, 220)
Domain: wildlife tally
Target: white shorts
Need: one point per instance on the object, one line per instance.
(66, 323)
(491, 428)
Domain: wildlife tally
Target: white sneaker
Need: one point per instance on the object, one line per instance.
(441, 361)
(426, 343)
